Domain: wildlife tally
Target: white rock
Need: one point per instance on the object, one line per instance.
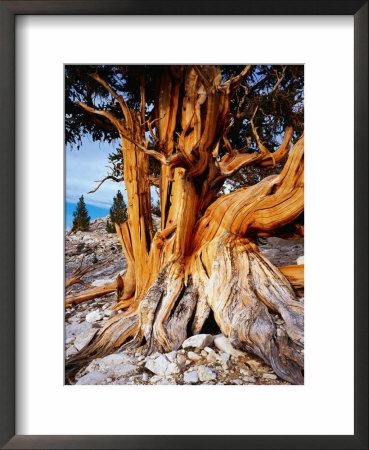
(237, 381)
(172, 368)
(155, 379)
(224, 344)
(204, 353)
(84, 338)
(191, 377)
(249, 379)
(171, 356)
(269, 376)
(206, 374)
(94, 316)
(198, 340)
(111, 361)
(93, 377)
(209, 350)
(70, 351)
(108, 313)
(70, 340)
(124, 370)
(76, 328)
(181, 359)
(165, 381)
(145, 376)
(158, 365)
(300, 260)
(193, 356)
(222, 357)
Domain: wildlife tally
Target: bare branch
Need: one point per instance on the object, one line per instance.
(108, 177)
(119, 98)
(234, 82)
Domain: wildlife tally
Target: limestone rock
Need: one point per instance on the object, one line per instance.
(224, 344)
(193, 356)
(94, 316)
(84, 338)
(198, 340)
(300, 260)
(206, 374)
(191, 377)
(94, 377)
(269, 376)
(158, 365)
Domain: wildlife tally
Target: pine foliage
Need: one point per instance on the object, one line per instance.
(118, 213)
(81, 221)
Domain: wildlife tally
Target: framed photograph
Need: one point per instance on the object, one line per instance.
(193, 337)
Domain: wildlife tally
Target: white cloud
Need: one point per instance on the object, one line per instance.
(83, 168)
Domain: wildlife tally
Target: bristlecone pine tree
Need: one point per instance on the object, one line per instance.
(179, 129)
(81, 221)
(118, 213)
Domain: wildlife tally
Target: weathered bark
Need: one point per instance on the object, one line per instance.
(204, 258)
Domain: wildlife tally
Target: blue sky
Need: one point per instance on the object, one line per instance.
(82, 168)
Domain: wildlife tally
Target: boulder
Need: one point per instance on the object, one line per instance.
(198, 341)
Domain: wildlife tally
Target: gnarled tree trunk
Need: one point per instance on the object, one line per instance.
(205, 257)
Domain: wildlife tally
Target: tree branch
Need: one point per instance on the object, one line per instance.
(234, 82)
(119, 98)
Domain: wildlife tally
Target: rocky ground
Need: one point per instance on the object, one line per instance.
(203, 359)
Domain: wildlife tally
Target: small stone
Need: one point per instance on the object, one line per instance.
(145, 377)
(70, 351)
(109, 313)
(249, 379)
(188, 362)
(269, 376)
(193, 356)
(94, 316)
(158, 365)
(155, 379)
(198, 341)
(224, 344)
(244, 371)
(206, 374)
(109, 380)
(300, 260)
(166, 382)
(204, 353)
(181, 359)
(237, 381)
(172, 368)
(191, 377)
(84, 338)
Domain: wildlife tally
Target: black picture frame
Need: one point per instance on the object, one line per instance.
(8, 12)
